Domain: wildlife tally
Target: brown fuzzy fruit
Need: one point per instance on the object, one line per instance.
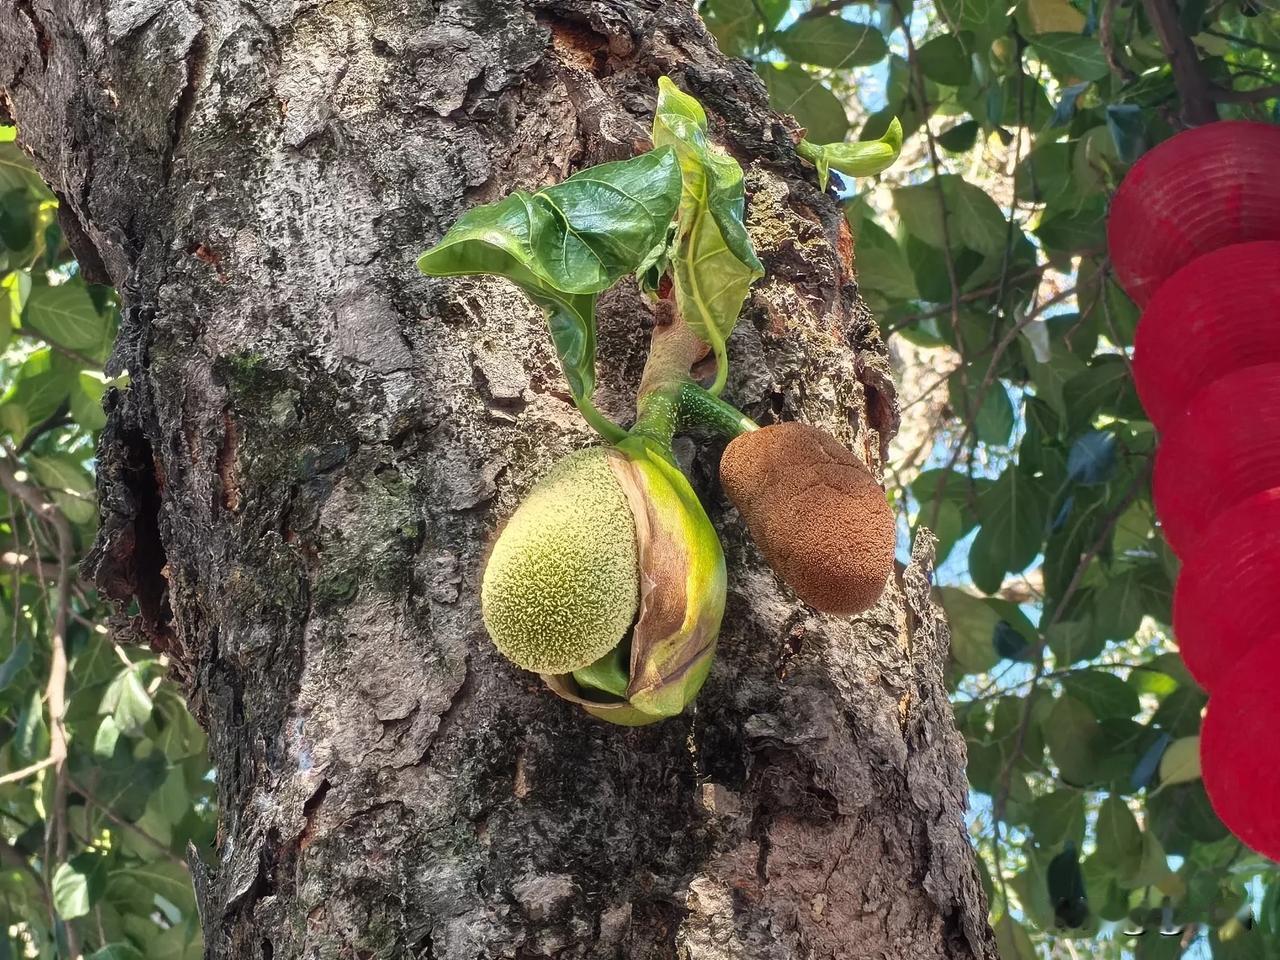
(816, 513)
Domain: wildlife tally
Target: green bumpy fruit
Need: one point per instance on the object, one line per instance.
(562, 586)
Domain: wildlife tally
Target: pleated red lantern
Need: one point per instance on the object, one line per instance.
(1224, 448)
(1219, 313)
(1202, 189)
(1228, 594)
(1240, 748)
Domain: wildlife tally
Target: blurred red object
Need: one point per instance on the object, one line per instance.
(1202, 189)
(1240, 748)
(1228, 592)
(1223, 449)
(1219, 313)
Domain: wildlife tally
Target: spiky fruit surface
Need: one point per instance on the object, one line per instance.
(1239, 749)
(562, 585)
(816, 513)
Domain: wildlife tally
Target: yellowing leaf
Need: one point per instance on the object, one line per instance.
(1051, 16)
(1181, 761)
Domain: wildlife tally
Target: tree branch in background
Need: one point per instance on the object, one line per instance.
(1106, 35)
(1256, 95)
(1199, 104)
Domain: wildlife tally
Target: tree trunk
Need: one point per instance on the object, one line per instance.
(299, 485)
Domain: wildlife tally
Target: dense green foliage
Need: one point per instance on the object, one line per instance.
(97, 809)
(986, 247)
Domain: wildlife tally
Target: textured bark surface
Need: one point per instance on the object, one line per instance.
(318, 443)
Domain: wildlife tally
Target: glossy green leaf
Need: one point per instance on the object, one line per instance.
(78, 885)
(64, 314)
(863, 158)
(832, 41)
(714, 263)
(127, 702)
(1071, 56)
(567, 243)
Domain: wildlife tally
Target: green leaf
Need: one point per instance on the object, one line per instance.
(714, 262)
(1073, 229)
(1058, 817)
(1069, 731)
(1119, 838)
(127, 702)
(1153, 866)
(833, 42)
(567, 243)
(162, 877)
(973, 624)
(1181, 761)
(1074, 640)
(105, 740)
(881, 263)
(1071, 56)
(1104, 693)
(86, 401)
(578, 237)
(40, 388)
(15, 663)
(64, 314)
(16, 172)
(78, 884)
(1012, 940)
(1105, 387)
(987, 18)
(992, 422)
(944, 60)
(1013, 514)
(972, 218)
(792, 90)
(116, 951)
(961, 137)
(734, 23)
(864, 158)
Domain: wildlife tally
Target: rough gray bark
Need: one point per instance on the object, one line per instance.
(318, 443)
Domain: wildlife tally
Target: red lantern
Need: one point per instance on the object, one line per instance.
(1240, 748)
(1205, 188)
(1223, 449)
(1219, 313)
(1228, 592)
